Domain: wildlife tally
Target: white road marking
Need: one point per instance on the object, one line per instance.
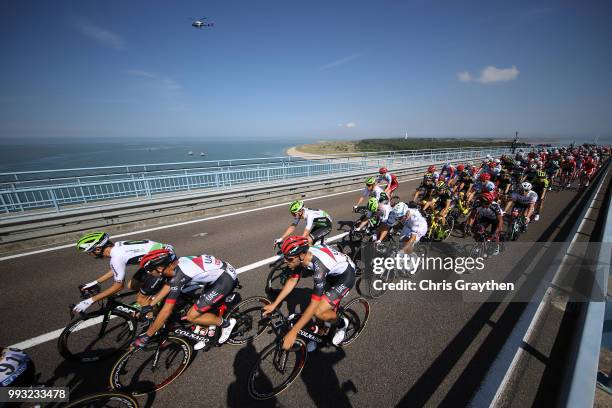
(43, 338)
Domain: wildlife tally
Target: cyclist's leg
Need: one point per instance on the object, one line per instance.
(202, 311)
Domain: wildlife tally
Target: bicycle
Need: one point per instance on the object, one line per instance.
(486, 244)
(276, 369)
(144, 370)
(84, 342)
(517, 224)
(439, 231)
(105, 399)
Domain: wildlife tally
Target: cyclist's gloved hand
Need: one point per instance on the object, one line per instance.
(355, 208)
(278, 241)
(141, 340)
(83, 306)
(88, 285)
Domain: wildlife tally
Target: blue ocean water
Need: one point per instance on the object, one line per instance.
(29, 155)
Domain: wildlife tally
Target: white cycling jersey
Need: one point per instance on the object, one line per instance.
(204, 268)
(530, 198)
(316, 218)
(384, 210)
(376, 191)
(329, 260)
(126, 253)
(384, 178)
(414, 223)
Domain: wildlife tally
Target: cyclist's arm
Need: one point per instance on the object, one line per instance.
(288, 232)
(163, 292)
(161, 318)
(286, 290)
(114, 288)
(106, 276)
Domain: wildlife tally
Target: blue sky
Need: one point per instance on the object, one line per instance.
(305, 70)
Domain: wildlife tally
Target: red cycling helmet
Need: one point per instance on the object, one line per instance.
(294, 245)
(431, 169)
(460, 167)
(485, 177)
(383, 170)
(158, 257)
(487, 198)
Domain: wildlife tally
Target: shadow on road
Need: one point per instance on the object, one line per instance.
(322, 382)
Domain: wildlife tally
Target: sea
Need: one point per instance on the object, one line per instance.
(42, 154)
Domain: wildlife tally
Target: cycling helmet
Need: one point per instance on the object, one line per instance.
(441, 185)
(296, 206)
(526, 186)
(373, 204)
(158, 257)
(382, 170)
(489, 186)
(485, 177)
(370, 181)
(400, 209)
(294, 245)
(428, 177)
(460, 167)
(431, 169)
(497, 161)
(533, 166)
(487, 198)
(541, 174)
(89, 242)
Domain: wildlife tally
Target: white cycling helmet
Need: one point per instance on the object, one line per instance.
(526, 186)
(400, 209)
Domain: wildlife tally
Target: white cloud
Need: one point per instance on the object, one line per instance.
(347, 125)
(464, 76)
(491, 74)
(144, 74)
(102, 36)
(339, 62)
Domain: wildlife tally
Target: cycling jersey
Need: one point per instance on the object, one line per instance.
(376, 192)
(530, 198)
(13, 363)
(414, 223)
(326, 264)
(126, 253)
(479, 186)
(314, 219)
(390, 179)
(540, 184)
(202, 269)
(531, 175)
(384, 210)
(491, 212)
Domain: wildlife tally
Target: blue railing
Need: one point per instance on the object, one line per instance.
(57, 189)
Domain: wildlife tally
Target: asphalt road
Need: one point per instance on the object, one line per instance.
(414, 351)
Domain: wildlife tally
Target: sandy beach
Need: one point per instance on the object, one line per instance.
(294, 152)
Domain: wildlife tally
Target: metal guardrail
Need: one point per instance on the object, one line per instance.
(56, 194)
(583, 378)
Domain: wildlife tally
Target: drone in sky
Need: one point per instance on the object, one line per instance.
(200, 23)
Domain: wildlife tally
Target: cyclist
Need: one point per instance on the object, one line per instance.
(219, 275)
(587, 171)
(442, 201)
(463, 181)
(415, 227)
(530, 173)
(376, 210)
(568, 168)
(552, 169)
(486, 211)
(482, 185)
(398, 212)
(371, 190)
(390, 180)
(318, 223)
(330, 269)
(525, 199)
(447, 173)
(121, 254)
(425, 191)
(539, 185)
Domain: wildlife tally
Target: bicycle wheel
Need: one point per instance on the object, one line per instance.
(93, 337)
(477, 251)
(276, 280)
(140, 371)
(357, 311)
(276, 369)
(105, 399)
(249, 322)
(448, 228)
(376, 283)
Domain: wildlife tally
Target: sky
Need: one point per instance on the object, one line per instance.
(301, 70)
